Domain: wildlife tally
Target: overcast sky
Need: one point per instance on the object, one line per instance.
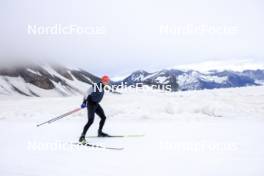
(132, 38)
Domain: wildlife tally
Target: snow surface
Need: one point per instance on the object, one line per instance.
(216, 79)
(162, 79)
(210, 132)
(34, 72)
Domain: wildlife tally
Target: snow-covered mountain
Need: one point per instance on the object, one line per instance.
(55, 80)
(195, 80)
(163, 77)
(48, 80)
(222, 65)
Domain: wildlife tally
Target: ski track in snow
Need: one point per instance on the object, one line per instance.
(210, 132)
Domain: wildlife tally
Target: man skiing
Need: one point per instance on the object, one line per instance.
(91, 100)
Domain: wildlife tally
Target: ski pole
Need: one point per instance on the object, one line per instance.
(59, 117)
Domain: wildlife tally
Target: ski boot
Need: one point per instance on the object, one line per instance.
(82, 140)
(102, 134)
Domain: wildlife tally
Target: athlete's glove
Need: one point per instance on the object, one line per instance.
(83, 105)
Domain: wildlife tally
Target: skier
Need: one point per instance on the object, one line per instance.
(91, 100)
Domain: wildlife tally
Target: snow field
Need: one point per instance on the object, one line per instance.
(216, 132)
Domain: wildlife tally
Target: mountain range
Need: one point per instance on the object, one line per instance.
(56, 80)
(47, 80)
(195, 80)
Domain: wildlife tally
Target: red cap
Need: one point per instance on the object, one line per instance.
(105, 78)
